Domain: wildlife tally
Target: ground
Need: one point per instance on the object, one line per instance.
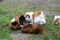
(12, 8)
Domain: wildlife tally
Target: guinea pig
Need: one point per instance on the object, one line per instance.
(16, 22)
(36, 17)
(32, 28)
(56, 20)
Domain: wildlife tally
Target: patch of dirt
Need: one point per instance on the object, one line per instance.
(24, 36)
(20, 36)
(2, 39)
(1, 0)
(58, 31)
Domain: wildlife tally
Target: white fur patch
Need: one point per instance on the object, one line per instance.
(30, 14)
(13, 20)
(55, 17)
(40, 19)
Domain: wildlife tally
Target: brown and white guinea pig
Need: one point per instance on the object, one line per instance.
(16, 22)
(32, 28)
(36, 17)
(56, 20)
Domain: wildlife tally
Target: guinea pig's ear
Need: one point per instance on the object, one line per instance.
(22, 17)
(14, 23)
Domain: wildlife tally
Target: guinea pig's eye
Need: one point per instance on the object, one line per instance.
(14, 23)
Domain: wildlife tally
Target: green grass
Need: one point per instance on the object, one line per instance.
(35, 38)
(52, 31)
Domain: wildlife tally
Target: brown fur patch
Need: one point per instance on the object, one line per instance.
(33, 28)
(17, 26)
(37, 13)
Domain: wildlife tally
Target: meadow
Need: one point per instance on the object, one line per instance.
(12, 8)
(52, 32)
